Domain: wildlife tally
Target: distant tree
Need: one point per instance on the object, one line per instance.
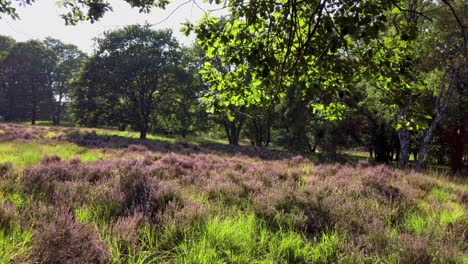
(182, 110)
(6, 44)
(26, 76)
(69, 60)
(129, 75)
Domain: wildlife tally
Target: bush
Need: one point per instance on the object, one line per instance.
(64, 240)
(145, 193)
(5, 169)
(8, 215)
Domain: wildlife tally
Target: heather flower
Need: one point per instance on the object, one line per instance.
(412, 249)
(50, 159)
(126, 228)
(298, 160)
(64, 240)
(184, 215)
(144, 193)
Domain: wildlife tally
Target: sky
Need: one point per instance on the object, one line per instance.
(42, 19)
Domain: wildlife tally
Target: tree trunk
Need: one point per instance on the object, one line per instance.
(143, 132)
(34, 113)
(440, 110)
(231, 132)
(425, 143)
(58, 111)
(144, 129)
(268, 139)
(403, 135)
(228, 133)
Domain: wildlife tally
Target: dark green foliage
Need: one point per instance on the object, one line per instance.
(127, 78)
(69, 60)
(26, 78)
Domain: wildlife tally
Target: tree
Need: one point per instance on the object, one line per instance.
(400, 66)
(444, 53)
(26, 72)
(284, 44)
(6, 44)
(227, 83)
(69, 59)
(130, 74)
(181, 110)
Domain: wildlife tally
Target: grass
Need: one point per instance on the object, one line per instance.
(50, 123)
(22, 154)
(428, 219)
(14, 244)
(454, 213)
(245, 238)
(159, 138)
(416, 223)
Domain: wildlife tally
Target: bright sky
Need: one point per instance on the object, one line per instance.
(42, 19)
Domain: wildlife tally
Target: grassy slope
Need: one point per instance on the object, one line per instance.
(215, 208)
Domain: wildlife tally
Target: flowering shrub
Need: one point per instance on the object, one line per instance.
(64, 240)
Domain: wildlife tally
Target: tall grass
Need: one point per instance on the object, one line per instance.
(22, 154)
(14, 244)
(245, 238)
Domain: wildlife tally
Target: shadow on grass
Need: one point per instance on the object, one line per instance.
(115, 141)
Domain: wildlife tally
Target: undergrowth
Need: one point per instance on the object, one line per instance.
(180, 203)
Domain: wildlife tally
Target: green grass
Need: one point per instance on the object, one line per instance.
(440, 195)
(13, 243)
(416, 223)
(23, 154)
(246, 239)
(453, 214)
(50, 123)
(18, 200)
(159, 138)
(435, 214)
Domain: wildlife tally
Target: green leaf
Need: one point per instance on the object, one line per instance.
(396, 11)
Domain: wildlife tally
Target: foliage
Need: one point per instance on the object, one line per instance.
(81, 10)
(69, 59)
(127, 77)
(25, 77)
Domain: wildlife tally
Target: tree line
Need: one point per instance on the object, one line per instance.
(389, 76)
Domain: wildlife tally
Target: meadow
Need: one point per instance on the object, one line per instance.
(73, 195)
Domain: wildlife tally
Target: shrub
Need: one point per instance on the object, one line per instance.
(145, 193)
(413, 250)
(50, 159)
(8, 215)
(126, 229)
(5, 169)
(64, 240)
